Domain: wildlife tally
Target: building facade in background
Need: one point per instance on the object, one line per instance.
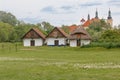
(86, 23)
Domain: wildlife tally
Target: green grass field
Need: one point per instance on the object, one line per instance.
(58, 63)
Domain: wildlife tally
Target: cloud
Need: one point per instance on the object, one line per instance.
(58, 10)
(67, 7)
(49, 9)
(88, 4)
(32, 20)
(114, 2)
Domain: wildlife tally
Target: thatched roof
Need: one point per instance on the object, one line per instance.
(37, 31)
(63, 32)
(80, 33)
(58, 30)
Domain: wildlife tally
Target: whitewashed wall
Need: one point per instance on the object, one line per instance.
(73, 43)
(85, 42)
(50, 41)
(38, 42)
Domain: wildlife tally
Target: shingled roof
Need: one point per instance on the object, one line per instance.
(81, 32)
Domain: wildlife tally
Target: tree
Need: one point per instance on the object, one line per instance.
(111, 35)
(46, 26)
(99, 25)
(96, 28)
(5, 31)
(94, 34)
(65, 28)
(8, 18)
(21, 29)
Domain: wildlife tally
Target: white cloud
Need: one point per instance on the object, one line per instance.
(59, 12)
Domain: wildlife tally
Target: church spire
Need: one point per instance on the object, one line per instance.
(96, 14)
(88, 16)
(109, 14)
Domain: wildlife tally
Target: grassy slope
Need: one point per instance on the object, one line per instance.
(58, 63)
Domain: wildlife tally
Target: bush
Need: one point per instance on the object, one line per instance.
(107, 45)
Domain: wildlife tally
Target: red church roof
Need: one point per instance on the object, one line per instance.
(88, 22)
(72, 28)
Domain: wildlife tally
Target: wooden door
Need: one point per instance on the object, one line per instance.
(32, 42)
(78, 42)
(56, 42)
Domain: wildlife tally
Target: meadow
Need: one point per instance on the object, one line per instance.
(58, 63)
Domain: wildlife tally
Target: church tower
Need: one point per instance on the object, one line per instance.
(88, 16)
(96, 14)
(109, 19)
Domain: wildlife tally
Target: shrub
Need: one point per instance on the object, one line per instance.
(107, 45)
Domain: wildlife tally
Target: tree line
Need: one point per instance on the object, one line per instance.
(12, 29)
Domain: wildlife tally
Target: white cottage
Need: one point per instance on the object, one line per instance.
(79, 37)
(57, 37)
(34, 37)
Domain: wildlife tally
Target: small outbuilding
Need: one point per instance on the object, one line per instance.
(79, 37)
(34, 37)
(57, 37)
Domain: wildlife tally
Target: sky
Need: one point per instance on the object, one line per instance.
(61, 12)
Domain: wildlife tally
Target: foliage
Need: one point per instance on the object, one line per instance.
(46, 26)
(8, 18)
(110, 36)
(21, 29)
(107, 45)
(12, 30)
(95, 35)
(97, 28)
(65, 28)
(6, 32)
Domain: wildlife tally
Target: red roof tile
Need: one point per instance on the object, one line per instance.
(72, 28)
(88, 22)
